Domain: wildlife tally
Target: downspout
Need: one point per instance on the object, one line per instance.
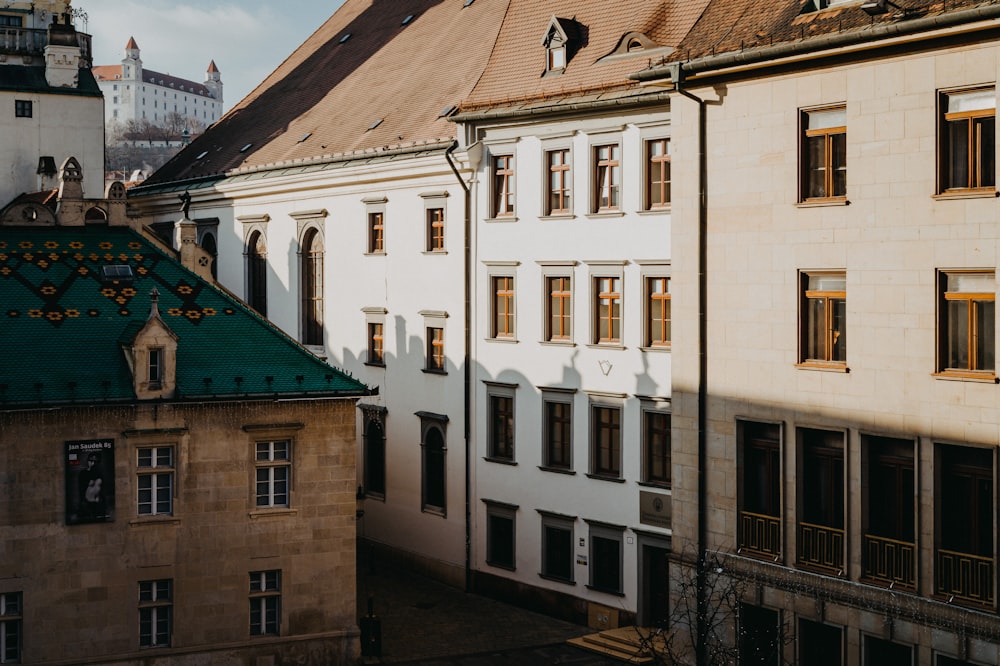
(467, 361)
(701, 647)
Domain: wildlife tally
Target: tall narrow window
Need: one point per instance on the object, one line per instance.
(155, 366)
(500, 535)
(312, 288)
(435, 349)
(759, 636)
(434, 476)
(606, 441)
(558, 434)
(503, 307)
(501, 424)
(824, 318)
(607, 178)
(607, 310)
(257, 273)
(155, 613)
(11, 614)
(435, 229)
(888, 547)
(606, 557)
(967, 323)
(824, 153)
(656, 447)
(557, 547)
(560, 308)
(968, 140)
(559, 182)
(821, 496)
(657, 174)
(155, 481)
(657, 312)
(820, 644)
(374, 463)
(265, 603)
(376, 233)
(274, 470)
(759, 489)
(376, 350)
(503, 186)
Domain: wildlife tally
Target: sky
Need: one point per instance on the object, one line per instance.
(247, 39)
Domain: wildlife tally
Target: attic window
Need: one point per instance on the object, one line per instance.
(304, 137)
(556, 41)
(201, 155)
(468, 2)
(556, 59)
(117, 273)
(407, 20)
(376, 124)
(447, 111)
(634, 45)
(245, 148)
(345, 38)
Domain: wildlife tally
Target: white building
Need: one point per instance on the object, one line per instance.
(135, 93)
(50, 105)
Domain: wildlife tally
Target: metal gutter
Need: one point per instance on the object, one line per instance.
(639, 99)
(977, 19)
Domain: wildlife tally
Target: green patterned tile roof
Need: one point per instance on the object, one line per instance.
(62, 325)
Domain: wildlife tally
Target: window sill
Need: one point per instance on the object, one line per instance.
(378, 497)
(820, 203)
(556, 579)
(372, 364)
(502, 218)
(434, 511)
(500, 461)
(601, 214)
(967, 376)
(497, 565)
(601, 589)
(505, 341)
(154, 520)
(557, 470)
(607, 345)
(659, 349)
(654, 211)
(375, 254)
(557, 343)
(432, 371)
(662, 485)
(434, 252)
(967, 193)
(557, 216)
(267, 513)
(823, 366)
(604, 477)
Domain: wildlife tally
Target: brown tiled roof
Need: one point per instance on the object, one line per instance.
(107, 72)
(114, 73)
(131, 43)
(327, 96)
(516, 70)
(212, 68)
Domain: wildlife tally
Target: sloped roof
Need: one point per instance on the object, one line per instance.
(114, 73)
(62, 325)
(516, 70)
(21, 78)
(326, 97)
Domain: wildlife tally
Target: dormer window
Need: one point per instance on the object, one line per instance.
(117, 273)
(559, 38)
(155, 366)
(556, 57)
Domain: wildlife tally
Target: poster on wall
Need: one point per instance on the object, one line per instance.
(90, 481)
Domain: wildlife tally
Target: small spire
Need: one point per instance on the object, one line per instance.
(154, 299)
(131, 43)
(212, 69)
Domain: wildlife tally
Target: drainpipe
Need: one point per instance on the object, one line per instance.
(701, 651)
(467, 361)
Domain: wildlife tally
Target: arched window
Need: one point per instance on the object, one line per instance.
(374, 452)
(209, 245)
(95, 215)
(257, 273)
(312, 288)
(434, 470)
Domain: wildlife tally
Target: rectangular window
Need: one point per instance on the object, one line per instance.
(501, 424)
(559, 185)
(657, 312)
(155, 481)
(557, 547)
(22, 108)
(759, 489)
(435, 349)
(274, 470)
(606, 441)
(820, 644)
(965, 554)
(11, 615)
(559, 318)
(760, 636)
(558, 433)
(657, 174)
(821, 497)
(607, 310)
(265, 603)
(967, 322)
(376, 233)
(968, 139)
(823, 313)
(155, 365)
(376, 351)
(500, 544)
(606, 558)
(888, 552)
(503, 307)
(824, 154)
(607, 178)
(374, 453)
(656, 447)
(8, 21)
(156, 602)
(503, 186)
(435, 229)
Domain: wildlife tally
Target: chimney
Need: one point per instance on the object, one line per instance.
(62, 54)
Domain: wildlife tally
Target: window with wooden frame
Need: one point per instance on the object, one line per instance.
(823, 318)
(656, 447)
(967, 323)
(824, 154)
(435, 349)
(657, 312)
(433, 459)
(759, 526)
(273, 463)
(607, 310)
(501, 426)
(312, 288)
(557, 431)
(559, 302)
(376, 344)
(500, 534)
(657, 174)
(967, 136)
(155, 481)
(559, 182)
(557, 547)
(435, 229)
(502, 288)
(822, 528)
(265, 603)
(606, 557)
(888, 492)
(156, 604)
(257, 272)
(503, 186)
(607, 178)
(606, 441)
(376, 232)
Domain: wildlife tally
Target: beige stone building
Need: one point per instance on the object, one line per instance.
(835, 436)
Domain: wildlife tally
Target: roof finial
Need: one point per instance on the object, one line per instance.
(154, 299)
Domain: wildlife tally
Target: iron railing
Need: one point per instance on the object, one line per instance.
(760, 535)
(890, 562)
(821, 546)
(964, 576)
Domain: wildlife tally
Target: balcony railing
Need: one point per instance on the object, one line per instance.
(821, 546)
(890, 562)
(32, 41)
(760, 535)
(964, 576)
